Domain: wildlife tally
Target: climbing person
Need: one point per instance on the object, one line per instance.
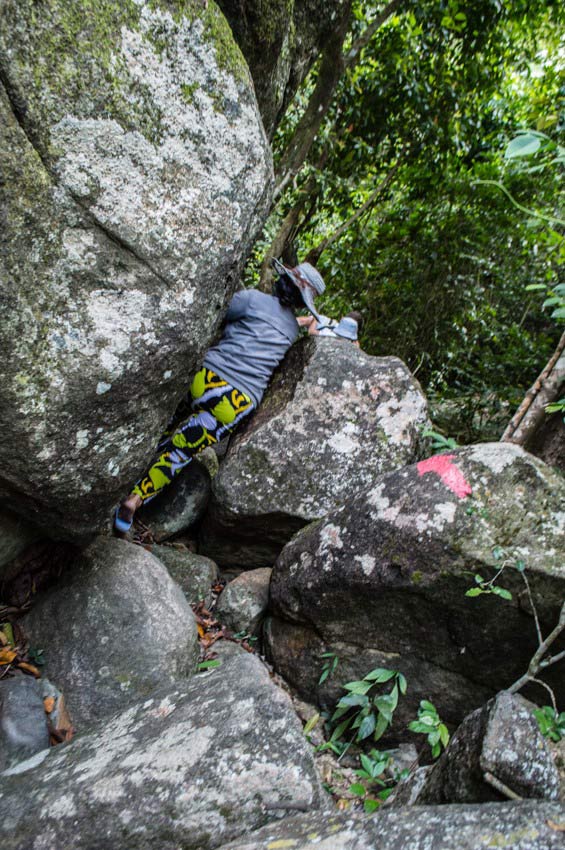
(259, 330)
(348, 327)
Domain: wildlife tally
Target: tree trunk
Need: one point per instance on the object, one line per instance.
(531, 413)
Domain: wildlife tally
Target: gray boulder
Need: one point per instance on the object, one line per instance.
(280, 40)
(382, 581)
(195, 574)
(15, 536)
(514, 826)
(212, 759)
(500, 740)
(135, 174)
(332, 421)
(180, 505)
(114, 628)
(23, 722)
(243, 602)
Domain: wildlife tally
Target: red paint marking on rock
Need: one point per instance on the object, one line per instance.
(450, 475)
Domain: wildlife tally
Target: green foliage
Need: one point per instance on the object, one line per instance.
(430, 724)
(365, 710)
(439, 442)
(551, 724)
(208, 665)
(483, 585)
(372, 773)
(329, 666)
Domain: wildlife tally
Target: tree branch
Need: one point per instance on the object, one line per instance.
(352, 55)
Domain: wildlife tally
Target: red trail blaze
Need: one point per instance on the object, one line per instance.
(450, 475)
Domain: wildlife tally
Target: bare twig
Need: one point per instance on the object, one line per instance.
(538, 662)
(549, 690)
(501, 787)
(530, 597)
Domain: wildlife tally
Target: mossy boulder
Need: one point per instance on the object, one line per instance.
(135, 174)
(382, 581)
(333, 420)
(280, 40)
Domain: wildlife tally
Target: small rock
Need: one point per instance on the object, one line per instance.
(23, 722)
(243, 602)
(180, 505)
(195, 574)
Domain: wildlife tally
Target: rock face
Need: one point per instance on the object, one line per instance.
(113, 629)
(501, 739)
(23, 722)
(194, 574)
(382, 581)
(135, 172)
(280, 41)
(15, 536)
(193, 766)
(243, 603)
(333, 420)
(515, 826)
(180, 505)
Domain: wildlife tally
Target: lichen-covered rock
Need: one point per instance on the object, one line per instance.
(15, 536)
(192, 767)
(501, 739)
(114, 628)
(243, 602)
(135, 173)
(194, 574)
(514, 826)
(23, 722)
(382, 581)
(280, 41)
(180, 505)
(333, 420)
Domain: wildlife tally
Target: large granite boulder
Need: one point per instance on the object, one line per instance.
(23, 721)
(280, 40)
(514, 826)
(382, 581)
(194, 574)
(114, 628)
(135, 174)
(333, 420)
(180, 505)
(192, 766)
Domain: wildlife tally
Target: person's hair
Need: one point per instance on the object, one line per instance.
(357, 317)
(288, 293)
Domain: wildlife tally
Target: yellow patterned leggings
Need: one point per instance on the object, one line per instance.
(218, 408)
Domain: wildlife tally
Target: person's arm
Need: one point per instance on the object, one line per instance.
(237, 306)
(305, 321)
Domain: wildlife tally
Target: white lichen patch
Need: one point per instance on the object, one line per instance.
(367, 562)
(495, 456)
(82, 440)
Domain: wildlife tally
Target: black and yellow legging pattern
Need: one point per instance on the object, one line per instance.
(218, 409)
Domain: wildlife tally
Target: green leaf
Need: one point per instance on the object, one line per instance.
(524, 145)
(402, 684)
(340, 729)
(502, 592)
(370, 806)
(381, 727)
(383, 704)
(428, 706)
(474, 591)
(358, 687)
(380, 674)
(208, 665)
(444, 734)
(367, 727)
(311, 723)
(358, 789)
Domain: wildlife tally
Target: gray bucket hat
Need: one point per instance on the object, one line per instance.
(307, 279)
(346, 328)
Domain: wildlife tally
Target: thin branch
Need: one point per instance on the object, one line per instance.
(536, 663)
(501, 787)
(352, 54)
(534, 609)
(553, 659)
(549, 690)
(550, 218)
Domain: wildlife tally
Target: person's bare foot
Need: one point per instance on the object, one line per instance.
(124, 515)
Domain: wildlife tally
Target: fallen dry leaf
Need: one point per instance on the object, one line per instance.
(29, 668)
(7, 655)
(49, 704)
(3, 639)
(558, 827)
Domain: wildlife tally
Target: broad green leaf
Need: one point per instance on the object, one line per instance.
(370, 806)
(502, 592)
(380, 674)
(339, 730)
(381, 727)
(523, 145)
(474, 591)
(367, 727)
(358, 687)
(444, 734)
(312, 723)
(402, 684)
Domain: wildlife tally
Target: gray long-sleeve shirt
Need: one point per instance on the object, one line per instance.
(258, 333)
